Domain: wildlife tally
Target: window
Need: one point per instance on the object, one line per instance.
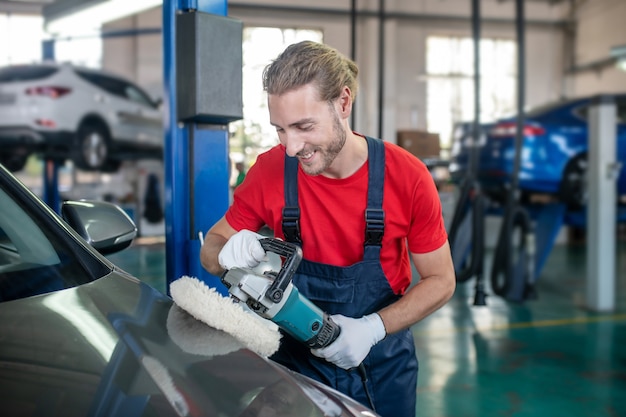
(134, 94)
(110, 85)
(85, 51)
(35, 259)
(450, 82)
(20, 39)
(25, 73)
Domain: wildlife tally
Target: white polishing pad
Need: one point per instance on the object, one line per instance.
(207, 305)
(195, 337)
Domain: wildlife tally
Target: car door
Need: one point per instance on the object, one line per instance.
(144, 122)
(134, 120)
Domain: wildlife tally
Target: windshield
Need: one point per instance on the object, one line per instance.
(37, 255)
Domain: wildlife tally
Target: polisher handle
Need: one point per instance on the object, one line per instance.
(293, 256)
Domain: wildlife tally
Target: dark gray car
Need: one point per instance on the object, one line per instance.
(80, 337)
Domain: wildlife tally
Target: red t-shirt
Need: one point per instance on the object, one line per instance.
(332, 220)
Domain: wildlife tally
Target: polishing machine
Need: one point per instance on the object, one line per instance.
(273, 296)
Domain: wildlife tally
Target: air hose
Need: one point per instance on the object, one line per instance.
(513, 260)
(460, 210)
(513, 271)
(471, 202)
(478, 249)
(469, 199)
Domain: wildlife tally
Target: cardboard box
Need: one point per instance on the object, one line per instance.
(420, 143)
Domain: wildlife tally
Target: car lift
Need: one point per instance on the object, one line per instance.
(528, 231)
(199, 108)
(515, 264)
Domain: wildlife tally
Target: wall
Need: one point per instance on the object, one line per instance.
(137, 56)
(408, 24)
(593, 43)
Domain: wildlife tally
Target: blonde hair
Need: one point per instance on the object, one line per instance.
(311, 62)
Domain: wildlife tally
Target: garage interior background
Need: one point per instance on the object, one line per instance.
(568, 52)
(424, 91)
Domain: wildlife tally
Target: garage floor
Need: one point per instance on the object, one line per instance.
(545, 357)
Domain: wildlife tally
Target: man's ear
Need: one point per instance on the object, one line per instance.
(345, 101)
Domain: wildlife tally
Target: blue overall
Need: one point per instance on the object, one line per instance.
(353, 291)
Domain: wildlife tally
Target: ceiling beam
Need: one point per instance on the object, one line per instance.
(21, 7)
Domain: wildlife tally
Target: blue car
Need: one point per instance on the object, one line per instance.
(553, 156)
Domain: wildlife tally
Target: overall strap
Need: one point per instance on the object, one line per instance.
(291, 211)
(374, 214)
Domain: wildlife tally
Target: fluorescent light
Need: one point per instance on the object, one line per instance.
(91, 18)
(619, 53)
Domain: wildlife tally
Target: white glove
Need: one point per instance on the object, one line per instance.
(242, 250)
(355, 340)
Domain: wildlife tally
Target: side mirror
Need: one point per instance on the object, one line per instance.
(105, 226)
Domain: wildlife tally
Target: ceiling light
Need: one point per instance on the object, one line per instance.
(619, 53)
(92, 15)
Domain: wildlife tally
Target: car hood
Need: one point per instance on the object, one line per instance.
(119, 347)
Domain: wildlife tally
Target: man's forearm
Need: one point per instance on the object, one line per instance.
(213, 244)
(423, 299)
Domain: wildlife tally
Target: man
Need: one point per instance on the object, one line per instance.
(357, 206)
(241, 174)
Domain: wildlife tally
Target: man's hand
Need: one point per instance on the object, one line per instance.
(355, 340)
(242, 250)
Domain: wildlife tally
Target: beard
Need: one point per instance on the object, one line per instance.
(327, 153)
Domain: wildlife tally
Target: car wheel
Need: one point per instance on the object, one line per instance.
(573, 191)
(13, 163)
(92, 148)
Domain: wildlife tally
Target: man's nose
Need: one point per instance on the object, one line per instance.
(293, 144)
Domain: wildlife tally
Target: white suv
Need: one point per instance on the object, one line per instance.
(61, 111)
